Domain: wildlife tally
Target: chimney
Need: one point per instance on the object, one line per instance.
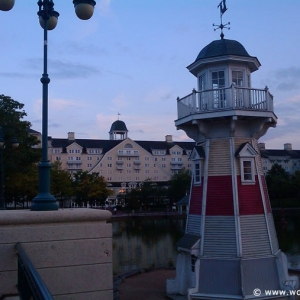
(288, 147)
(71, 136)
(262, 146)
(169, 138)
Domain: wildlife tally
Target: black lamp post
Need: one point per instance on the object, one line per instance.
(48, 19)
(14, 144)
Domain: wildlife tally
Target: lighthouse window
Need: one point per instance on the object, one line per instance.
(237, 78)
(247, 170)
(202, 82)
(218, 84)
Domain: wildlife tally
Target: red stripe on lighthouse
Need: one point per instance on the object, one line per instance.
(250, 200)
(219, 196)
(196, 200)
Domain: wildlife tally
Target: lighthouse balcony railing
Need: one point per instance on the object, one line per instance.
(229, 98)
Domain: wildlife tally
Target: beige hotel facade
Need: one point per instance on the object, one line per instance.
(124, 163)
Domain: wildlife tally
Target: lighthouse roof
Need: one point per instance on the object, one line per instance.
(222, 47)
(221, 51)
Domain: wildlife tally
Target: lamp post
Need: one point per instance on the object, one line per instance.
(48, 19)
(14, 144)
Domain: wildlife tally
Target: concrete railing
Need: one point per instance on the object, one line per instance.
(71, 249)
(224, 99)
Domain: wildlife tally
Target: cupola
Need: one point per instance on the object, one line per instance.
(118, 131)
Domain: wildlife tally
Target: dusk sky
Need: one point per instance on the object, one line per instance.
(131, 58)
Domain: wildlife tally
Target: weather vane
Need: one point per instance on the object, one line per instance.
(223, 9)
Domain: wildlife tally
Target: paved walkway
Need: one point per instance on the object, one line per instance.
(151, 286)
(146, 286)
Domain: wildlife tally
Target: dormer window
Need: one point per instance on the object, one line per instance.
(247, 170)
(197, 172)
(197, 156)
(247, 156)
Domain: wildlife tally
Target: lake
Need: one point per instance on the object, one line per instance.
(141, 243)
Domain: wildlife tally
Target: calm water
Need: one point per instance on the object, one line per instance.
(147, 243)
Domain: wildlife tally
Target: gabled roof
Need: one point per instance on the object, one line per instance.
(272, 153)
(107, 145)
(188, 241)
(184, 200)
(246, 150)
(197, 153)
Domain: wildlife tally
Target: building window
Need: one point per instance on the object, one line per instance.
(247, 170)
(197, 172)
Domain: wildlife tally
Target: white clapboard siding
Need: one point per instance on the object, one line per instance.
(273, 234)
(219, 158)
(219, 237)
(194, 225)
(254, 236)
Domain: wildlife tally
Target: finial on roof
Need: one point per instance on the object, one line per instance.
(223, 9)
(118, 116)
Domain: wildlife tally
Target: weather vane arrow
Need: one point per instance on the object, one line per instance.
(222, 6)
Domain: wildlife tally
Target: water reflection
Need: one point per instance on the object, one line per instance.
(145, 243)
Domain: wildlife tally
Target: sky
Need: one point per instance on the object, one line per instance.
(129, 62)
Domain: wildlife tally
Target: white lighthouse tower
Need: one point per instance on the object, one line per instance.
(230, 248)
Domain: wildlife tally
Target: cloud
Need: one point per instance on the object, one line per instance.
(103, 6)
(58, 105)
(119, 102)
(286, 79)
(163, 93)
(64, 69)
(13, 75)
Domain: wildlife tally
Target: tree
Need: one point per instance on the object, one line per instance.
(278, 182)
(22, 186)
(179, 185)
(20, 161)
(13, 126)
(90, 187)
(295, 183)
(61, 183)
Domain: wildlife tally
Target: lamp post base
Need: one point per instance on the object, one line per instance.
(44, 200)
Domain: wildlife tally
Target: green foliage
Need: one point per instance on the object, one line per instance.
(22, 186)
(295, 183)
(13, 126)
(61, 182)
(19, 164)
(278, 182)
(179, 185)
(90, 187)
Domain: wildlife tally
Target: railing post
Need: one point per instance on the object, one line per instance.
(267, 98)
(194, 106)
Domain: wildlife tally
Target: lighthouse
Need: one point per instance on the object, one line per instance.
(230, 248)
